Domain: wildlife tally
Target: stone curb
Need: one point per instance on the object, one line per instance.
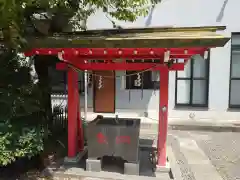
(152, 127)
(175, 168)
(213, 128)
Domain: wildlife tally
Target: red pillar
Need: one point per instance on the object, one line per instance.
(163, 118)
(72, 113)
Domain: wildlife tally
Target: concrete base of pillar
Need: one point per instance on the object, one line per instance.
(76, 159)
(131, 168)
(72, 160)
(93, 165)
(164, 169)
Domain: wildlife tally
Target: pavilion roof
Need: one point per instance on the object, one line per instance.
(159, 37)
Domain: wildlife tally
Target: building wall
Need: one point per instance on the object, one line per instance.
(184, 13)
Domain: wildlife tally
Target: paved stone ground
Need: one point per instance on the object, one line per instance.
(221, 148)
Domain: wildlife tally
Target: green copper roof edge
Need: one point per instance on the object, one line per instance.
(129, 43)
(138, 30)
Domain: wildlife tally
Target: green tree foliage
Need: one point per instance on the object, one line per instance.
(15, 15)
(21, 133)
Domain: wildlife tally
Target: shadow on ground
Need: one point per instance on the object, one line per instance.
(111, 167)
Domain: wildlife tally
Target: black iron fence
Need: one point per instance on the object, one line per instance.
(60, 115)
(59, 91)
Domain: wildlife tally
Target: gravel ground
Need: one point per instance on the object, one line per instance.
(223, 149)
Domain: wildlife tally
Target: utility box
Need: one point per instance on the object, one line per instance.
(118, 137)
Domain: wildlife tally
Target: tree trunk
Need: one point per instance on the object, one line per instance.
(41, 64)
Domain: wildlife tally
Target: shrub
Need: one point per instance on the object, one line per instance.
(21, 132)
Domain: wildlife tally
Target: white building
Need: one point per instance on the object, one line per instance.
(207, 89)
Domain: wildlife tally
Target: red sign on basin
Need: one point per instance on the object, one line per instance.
(101, 138)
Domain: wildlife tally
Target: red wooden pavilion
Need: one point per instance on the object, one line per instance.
(82, 49)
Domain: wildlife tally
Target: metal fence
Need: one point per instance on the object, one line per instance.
(59, 119)
(59, 113)
(59, 90)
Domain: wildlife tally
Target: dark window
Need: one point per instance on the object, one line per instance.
(192, 83)
(234, 97)
(58, 81)
(139, 80)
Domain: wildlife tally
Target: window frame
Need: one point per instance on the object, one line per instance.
(233, 47)
(192, 79)
(153, 83)
(64, 83)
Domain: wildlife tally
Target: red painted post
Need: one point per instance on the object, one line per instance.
(163, 118)
(72, 113)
